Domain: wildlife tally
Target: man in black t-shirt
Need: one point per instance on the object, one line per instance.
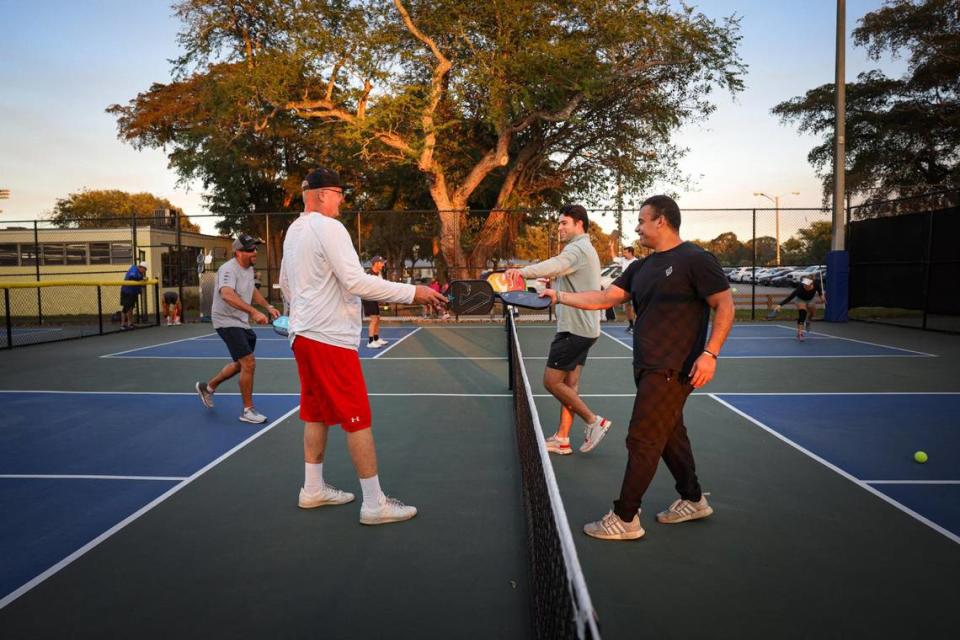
(673, 291)
(805, 292)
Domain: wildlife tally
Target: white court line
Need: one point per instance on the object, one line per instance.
(907, 354)
(13, 595)
(194, 393)
(912, 481)
(136, 393)
(23, 476)
(775, 393)
(860, 483)
(110, 355)
(225, 356)
(872, 344)
(394, 344)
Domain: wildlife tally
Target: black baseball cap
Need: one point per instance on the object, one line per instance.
(323, 178)
(245, 242)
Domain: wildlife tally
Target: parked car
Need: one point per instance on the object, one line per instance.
(772, 273)
(783, 280)
(813, 271)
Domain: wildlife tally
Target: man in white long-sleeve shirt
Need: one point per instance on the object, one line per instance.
(323, 281)
(577, 268)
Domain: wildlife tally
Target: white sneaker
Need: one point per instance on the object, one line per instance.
(682, 510)
(206, 396)
(381, 342)
(252, 416)
(374, 345)
(390, 510)
(558, 446)
(325, 496)
(611, 527)
(593, 434)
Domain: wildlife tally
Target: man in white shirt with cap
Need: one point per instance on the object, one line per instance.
(323, 281)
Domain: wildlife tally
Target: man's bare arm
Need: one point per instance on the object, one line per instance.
(609, 297)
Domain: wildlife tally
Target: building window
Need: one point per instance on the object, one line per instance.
(52, 253)
(76, 254)
(9, 255)
(121, 253)
(99, 253)
(27, 256)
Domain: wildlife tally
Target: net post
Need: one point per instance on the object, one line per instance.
(100, 309)
(156, 301)
(36, 264)
(753, 272)
(508, 324)
(6, 304)
(179, 263)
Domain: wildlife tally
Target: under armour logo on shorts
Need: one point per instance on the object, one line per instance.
(355, 419)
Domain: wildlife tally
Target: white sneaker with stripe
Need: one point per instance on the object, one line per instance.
(682, 510)
(611, 527)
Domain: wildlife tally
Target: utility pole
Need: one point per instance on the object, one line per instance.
(776, 205)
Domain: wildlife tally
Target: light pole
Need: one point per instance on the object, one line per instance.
(776, 205)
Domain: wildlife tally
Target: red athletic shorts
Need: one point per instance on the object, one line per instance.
(332, 390)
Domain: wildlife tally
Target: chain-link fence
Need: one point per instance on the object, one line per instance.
(904, 262)
(765, 251)
(49, 311)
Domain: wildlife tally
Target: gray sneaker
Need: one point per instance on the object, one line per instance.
(206, 396)
(252, 416)
(611, 527)
(328, 495)
(593, 434)
(389, 510)
(682, 510)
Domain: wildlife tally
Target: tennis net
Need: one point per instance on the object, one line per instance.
(562, 606)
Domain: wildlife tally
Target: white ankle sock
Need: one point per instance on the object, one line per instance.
(371, 491)
(312, 477)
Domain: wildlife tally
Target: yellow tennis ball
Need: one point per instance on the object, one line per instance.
(920, 456)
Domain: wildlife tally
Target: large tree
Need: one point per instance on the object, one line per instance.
(494, 105)
(902, 134)
(97, 209)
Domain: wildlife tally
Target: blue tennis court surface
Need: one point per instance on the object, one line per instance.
(780, 341)
(73, 465)
(269, 345)
(871, 437)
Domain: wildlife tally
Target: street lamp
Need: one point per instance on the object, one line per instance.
(776, 205)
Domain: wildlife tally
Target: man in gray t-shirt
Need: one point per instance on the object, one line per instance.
(231, 317)
(577, 268)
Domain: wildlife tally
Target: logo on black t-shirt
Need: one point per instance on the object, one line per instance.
(669, 270)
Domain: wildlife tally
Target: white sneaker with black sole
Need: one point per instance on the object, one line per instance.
(389, 510)
(252, 416)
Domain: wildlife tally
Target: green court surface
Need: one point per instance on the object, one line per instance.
(795, 548)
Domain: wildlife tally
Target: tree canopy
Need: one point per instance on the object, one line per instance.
(494, 105)
(902, 134)
(90, 209)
